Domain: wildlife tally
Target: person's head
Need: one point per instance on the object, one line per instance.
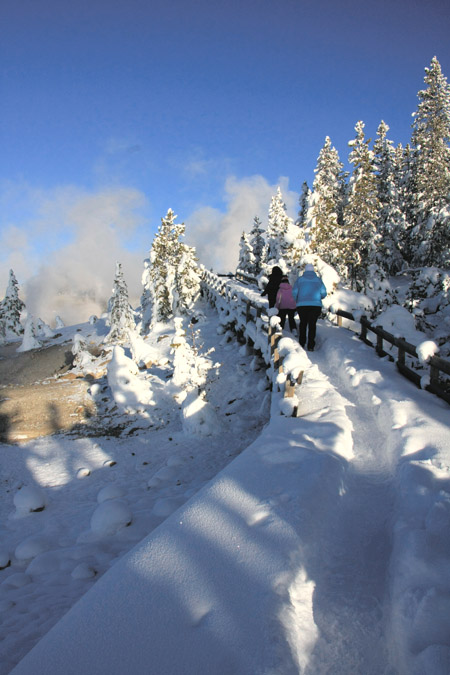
(309, 268)
(276, 271)
(284, 279)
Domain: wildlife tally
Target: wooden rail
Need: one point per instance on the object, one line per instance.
(437, 384)
(249, 313)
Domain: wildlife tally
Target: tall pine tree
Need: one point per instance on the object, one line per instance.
(361, 210)
(259, 248)
(325, 230)
(171, 277)
(121, 319)
(430, 232)
(391, 219)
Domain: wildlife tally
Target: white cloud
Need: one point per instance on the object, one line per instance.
(216, 235)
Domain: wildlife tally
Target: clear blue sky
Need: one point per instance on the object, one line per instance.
(160, 101)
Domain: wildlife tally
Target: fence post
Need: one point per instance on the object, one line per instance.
(379, 347)
(363, 334)
(247, 312)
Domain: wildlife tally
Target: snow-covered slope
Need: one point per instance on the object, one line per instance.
(322, 548)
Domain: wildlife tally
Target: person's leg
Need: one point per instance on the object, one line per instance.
(291, 317)
(282, 314)
(303, 314)
(314, 313)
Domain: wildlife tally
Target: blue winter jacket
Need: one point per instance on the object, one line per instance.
(309, 290)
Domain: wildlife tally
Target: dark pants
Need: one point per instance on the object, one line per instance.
(290, 314)
(308, 319)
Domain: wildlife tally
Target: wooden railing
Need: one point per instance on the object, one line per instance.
(438, 369)
(253, 326)
(437, 366)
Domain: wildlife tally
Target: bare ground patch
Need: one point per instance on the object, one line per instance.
(35, 398)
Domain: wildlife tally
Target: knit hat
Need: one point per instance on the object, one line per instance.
(309, 268)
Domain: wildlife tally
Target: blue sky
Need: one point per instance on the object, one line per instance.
(113, 111)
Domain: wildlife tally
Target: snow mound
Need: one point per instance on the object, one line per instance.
(30, 498)
(110, 517)
(109, 492)
(31, 547)
(83, 571)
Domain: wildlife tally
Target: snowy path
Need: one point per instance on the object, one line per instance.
(352, 542)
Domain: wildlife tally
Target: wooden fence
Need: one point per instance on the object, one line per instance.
(437, 384)
(252, 325)
(435, 376)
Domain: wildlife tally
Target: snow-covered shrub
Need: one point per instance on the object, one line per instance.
(82, 357)
(191, 366)
(110, 517)
(43, 330)
(29, 340)
(30, 498)
(31, 547)
(143, 354)
(11, 308)
(198, 416)
(428, 298)
(130, 392)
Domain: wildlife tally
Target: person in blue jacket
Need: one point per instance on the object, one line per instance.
(308, 292)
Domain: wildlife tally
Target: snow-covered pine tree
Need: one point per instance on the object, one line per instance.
(430, 231)
(146, 299)
(285, 242)
(259, 248)
(187, 277)
(171, 277)
(11, 308)
(361, 210)
(121, 314)
(246, 262)
(303, 203)
(277, 226)
(391, 221)
(325, 216)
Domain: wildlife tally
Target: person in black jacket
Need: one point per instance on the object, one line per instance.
(273, 285)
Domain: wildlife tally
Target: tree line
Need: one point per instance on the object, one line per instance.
(389, 214)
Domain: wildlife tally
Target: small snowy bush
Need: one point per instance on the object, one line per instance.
(110, 517)
(30, 498)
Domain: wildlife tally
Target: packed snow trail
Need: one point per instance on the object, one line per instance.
(296, 557)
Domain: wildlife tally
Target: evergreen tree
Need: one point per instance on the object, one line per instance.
(361, 210)
(11, 308)
(259, 249)
(121, 314)
(391, 219)
(430, 233)
(325, 216)
(277, 227)
(284, 242)
(171, 278)
(187, 277)
(303, 202)
(246, 261)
